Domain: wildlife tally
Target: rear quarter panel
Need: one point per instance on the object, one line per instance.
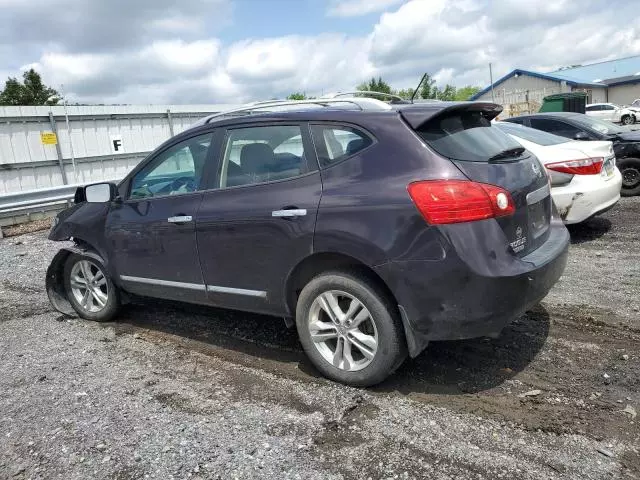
(365, 210)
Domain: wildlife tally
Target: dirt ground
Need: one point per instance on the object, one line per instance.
(174, 391)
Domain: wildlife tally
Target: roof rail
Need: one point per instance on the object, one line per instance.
(360, 103)
(369, 92)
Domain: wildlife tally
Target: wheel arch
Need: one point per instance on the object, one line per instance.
(54, 281)
(317, 263)
(320, 262)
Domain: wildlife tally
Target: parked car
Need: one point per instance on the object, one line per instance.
(584, 179)
(374, 230)
(611, 113)
(576, 126)
(635, 109)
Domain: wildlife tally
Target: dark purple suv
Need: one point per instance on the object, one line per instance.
(374, 232)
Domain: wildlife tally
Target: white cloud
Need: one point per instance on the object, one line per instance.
(168, 58)
(356, 8)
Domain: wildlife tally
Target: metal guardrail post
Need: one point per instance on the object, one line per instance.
(170, 120)
(54, 129)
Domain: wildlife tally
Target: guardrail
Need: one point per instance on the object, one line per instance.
(14, 202)
(18, 204)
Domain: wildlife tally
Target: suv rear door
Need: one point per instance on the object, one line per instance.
(257, 220)
(463, 134)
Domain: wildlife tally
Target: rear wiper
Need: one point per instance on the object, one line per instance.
(508, 153)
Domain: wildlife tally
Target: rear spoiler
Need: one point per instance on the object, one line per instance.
(416, 115)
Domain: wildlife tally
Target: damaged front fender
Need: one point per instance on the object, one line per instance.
(55, 283)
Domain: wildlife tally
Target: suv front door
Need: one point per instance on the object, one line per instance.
(151, 234)
(257, 221)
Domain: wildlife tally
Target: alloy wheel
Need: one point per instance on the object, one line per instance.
(630, 177)
(343, 330)
(89, 286)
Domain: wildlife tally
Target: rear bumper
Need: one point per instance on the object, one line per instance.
(585, 197)
(455, 298)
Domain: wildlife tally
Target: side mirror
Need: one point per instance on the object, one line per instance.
(581, 136)
(100, 192)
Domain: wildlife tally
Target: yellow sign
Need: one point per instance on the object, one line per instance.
(48, 138)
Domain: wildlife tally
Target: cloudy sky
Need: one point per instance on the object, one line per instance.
(206, 51)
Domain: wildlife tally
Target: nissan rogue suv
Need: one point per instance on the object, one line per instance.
(374, 230)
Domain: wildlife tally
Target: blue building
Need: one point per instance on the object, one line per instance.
(614, 81)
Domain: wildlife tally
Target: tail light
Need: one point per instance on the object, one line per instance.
(455, 201)
(585, 166)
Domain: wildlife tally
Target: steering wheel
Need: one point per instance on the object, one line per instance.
(178, 183)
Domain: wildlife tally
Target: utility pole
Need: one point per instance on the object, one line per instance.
(493, 98)
(66, 117)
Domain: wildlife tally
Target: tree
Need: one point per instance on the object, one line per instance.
(32, 91)
(448, 93)
(374, 85)
(296, 96)
(12, 93)
(428, 88)
(465, 93)
(406, 94)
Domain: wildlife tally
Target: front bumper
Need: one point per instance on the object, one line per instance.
(585, 197)
(455, 299)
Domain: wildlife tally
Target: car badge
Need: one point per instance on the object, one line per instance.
(536, 169)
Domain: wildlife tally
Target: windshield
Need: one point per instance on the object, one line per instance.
(531, 134)
(467, 136)
(600, 126)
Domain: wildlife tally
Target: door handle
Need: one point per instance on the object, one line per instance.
(293, 212)
(180, 219)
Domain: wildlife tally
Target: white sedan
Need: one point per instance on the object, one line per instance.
(584, 178)
(611, 113)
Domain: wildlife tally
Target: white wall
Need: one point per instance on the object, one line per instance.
(519, 86)
(523, 94)
(27, 164)
(598, 94)
(624, 94)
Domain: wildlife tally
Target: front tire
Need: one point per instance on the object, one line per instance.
(630, 170)
(628, 120)
(349, 329)
(90, 290)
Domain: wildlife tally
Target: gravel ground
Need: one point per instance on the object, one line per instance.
(174, 391)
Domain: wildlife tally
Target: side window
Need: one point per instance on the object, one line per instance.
(554, 126)
(335, 143)
(175, 171)
(262, 154)
(592, 108)
(608, 107)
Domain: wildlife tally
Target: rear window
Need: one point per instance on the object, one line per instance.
(335, 143)
(531, 134)
(466, 136)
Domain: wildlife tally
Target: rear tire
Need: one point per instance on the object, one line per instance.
(90, 290)
(349, 329)
(630, 170)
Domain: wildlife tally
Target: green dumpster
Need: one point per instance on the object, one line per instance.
(564, 102)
